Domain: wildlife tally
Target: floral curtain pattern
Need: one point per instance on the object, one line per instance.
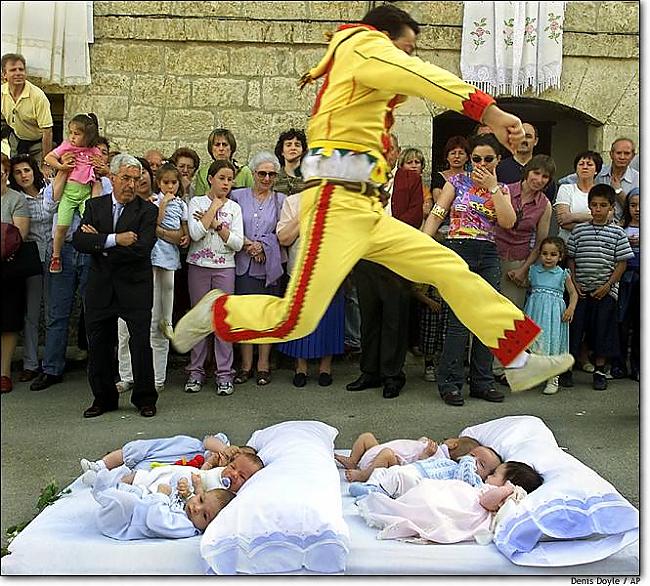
(52, 36)
(511, 47)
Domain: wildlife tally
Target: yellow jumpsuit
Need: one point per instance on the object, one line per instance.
(366, 76)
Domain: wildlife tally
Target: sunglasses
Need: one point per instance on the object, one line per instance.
(489, 159)
(269, 174)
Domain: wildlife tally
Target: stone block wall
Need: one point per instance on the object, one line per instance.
(166, 73)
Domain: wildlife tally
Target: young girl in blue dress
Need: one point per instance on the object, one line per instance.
(545, 303)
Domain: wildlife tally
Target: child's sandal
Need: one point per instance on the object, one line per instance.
(242, 376)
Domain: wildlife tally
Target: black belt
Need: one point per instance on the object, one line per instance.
(362, 187)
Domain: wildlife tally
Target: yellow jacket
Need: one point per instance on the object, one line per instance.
(366, 77)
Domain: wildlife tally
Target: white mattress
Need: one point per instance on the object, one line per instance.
(64, 540)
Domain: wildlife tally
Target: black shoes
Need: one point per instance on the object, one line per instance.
(566, 379)
(148, 410)
(491, 395)
(599, 381)
(454, 398)
(96, 410)
(299, 379)
(392, 387)
(365, 381)
(325, 379)
(43, 381)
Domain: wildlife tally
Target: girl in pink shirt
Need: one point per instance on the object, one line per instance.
(83, 136)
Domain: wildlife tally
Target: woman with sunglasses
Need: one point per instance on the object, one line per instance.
(221, 147)
(259, 263)
(477, 204)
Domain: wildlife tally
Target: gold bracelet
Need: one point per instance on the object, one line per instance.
(438, 211)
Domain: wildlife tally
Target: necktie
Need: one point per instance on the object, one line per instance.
(117, 211)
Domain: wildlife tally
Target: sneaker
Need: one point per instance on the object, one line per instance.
(196, 324)
(55, 264)
(430, 374)
(123, 386)
(225, 388)
(566, 379)
(618, 372)
(551, 386)
(607, 371)
(537, 369)
(166, 329)
(193, 386)
(599, 381)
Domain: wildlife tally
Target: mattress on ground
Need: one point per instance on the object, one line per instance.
(64, 540)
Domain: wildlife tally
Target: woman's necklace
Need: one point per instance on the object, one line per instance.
(259, 204)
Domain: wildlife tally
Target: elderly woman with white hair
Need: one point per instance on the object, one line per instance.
(259, 265)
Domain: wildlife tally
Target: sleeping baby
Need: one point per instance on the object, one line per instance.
(450, 511)
(168, 501)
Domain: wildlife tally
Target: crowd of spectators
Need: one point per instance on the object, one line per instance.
(236, 227)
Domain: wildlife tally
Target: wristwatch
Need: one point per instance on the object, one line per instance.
(494, 189)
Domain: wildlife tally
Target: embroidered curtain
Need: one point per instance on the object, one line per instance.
(510, 47)
(52, 36)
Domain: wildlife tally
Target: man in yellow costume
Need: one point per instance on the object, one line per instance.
(368, 70)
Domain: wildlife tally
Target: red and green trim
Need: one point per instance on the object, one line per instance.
(220, 313)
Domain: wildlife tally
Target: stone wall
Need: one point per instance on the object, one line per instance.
(166, 73)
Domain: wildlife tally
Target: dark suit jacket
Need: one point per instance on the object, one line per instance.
(120, 275)
(407, 199)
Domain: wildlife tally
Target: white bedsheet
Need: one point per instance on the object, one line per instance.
(63, 540)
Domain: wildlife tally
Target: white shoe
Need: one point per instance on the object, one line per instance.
(551, 386)
(430, 374)
(196, 324)
(89, 477)
(123, 386)
(89, 465)
(193, 386)
(166, 329)
(588, 367)
(537, 369)
(225, 388)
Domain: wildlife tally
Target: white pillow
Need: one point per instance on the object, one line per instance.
(289, 515)
(574, 501)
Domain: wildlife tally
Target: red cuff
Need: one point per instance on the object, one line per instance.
(476, 103)
(516, 341)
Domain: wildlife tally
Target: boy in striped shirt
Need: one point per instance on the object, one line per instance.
(598, 252)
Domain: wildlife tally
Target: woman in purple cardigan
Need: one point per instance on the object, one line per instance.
(259, 265)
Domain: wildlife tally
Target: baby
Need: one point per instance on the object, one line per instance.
(450, 511)
(367, 454)
(212, 451)
(129, 510)
(473, 467)
(231, 477)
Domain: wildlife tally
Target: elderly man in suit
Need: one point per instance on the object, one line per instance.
(118, 231)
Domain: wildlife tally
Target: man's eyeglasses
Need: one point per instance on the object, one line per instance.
(269, 174)
(488, 159)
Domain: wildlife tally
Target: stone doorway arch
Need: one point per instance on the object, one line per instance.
(563, 131)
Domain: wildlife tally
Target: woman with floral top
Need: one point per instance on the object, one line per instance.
(217, 233)
(477, 204)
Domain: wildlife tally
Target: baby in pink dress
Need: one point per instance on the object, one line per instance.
(450, 511)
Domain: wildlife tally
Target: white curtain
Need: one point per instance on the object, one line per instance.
(52, 36)
(510, 47)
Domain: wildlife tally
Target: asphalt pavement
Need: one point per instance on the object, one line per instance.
(44, 434)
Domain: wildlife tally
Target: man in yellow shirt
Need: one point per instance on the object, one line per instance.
(368, 70)
(26, 110)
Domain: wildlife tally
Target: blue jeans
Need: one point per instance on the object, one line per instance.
(61, 292)
(482, 258)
